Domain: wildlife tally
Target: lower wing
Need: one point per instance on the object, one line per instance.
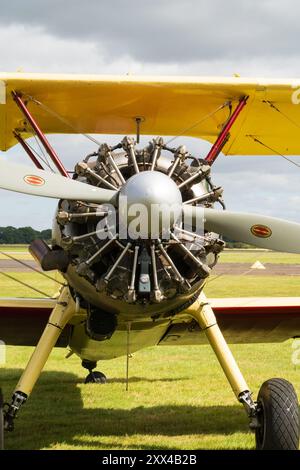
(242, 320)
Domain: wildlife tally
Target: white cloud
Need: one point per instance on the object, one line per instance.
(31, 49)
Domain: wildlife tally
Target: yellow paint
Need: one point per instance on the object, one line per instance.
(202, 312)
(169, 105)
(60, 316)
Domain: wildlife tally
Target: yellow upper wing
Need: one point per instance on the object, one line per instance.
(168, 105)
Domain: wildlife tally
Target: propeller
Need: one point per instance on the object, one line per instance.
(27, 180)
(259, 230)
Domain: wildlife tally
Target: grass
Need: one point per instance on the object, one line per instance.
(252, 286)
(250, 256)
(11, 288)
(23, 256)
(178, 398)
(17, 251)
(13, 247)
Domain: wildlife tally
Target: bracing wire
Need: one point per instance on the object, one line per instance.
(25, 284)
(272, 105)
(207, 116)
(273, 150)
(60, 118)
(31, 267)
(44, 158)
(227, 271)
(92, 139)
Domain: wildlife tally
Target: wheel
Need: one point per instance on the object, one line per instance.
(278, 416)
(95, 378)
(1, 422)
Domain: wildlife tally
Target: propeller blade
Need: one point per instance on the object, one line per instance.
(259, 230)
(27, 180)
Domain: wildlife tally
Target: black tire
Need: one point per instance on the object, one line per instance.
(1, 422)
(278, 416)
(95, 378)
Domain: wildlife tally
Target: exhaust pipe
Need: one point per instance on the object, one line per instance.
(47, 258)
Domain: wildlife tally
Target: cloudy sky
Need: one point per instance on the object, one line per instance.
(186, 37)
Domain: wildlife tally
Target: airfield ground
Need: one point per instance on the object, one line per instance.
(178, 397)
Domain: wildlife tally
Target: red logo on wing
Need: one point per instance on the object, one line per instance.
(34, 180)
(261, 231)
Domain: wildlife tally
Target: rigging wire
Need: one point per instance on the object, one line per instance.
(277, 153)
(273, 150)
(207, 116)
(44, 158)
(60, 118)
(31, 267)
(92, 139)
(25, 284)
(38, 155)
(218, 276)
(39, 145)
(272, 105)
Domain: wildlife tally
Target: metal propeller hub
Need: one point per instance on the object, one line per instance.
(155, 196)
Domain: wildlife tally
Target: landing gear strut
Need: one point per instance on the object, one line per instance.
(60, 316)
(274, 417)
(93, 377)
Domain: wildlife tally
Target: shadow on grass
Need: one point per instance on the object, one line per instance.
(54, 415)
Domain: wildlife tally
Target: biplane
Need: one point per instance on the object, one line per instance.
(126, 285)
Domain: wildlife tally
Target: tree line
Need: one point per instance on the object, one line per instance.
(11, 235)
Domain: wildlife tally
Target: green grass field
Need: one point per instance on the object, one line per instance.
(11, 288)
(13, 247)
(17, 251)
(178, 397)
(250, 256)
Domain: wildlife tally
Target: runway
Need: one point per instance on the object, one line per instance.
(9, 265)
(239, 269)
